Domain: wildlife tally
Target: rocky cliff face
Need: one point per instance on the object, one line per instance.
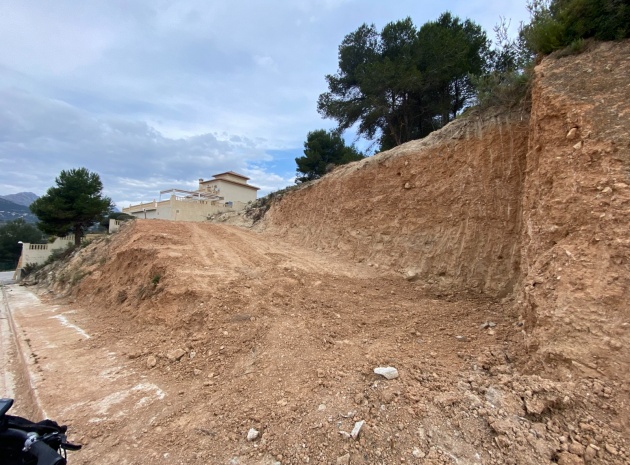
(536, 207)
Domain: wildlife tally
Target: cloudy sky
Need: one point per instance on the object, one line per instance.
(154, 94)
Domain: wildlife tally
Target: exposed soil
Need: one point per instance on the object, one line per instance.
(487, 263)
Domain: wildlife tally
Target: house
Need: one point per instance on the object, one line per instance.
(225, 192)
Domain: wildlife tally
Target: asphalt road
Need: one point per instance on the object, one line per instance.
(6, 277)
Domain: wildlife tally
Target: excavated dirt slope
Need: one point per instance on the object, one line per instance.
(488, 263)
(445, 209)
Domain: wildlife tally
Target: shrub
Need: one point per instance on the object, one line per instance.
(556, 24)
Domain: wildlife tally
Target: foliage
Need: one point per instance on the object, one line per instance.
(509, 70)
(30, 268)
(155, 280)
(556, 24)
(322, 150)
(402, 83)
(73, 205)
(10, 234)
(60, 254)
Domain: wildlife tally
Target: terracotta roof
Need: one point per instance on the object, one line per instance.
(242, 184)
(232, 173)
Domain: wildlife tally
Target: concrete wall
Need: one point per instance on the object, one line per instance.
(181, 209)
(39, 253)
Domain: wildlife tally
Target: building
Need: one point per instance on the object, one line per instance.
(225, 192)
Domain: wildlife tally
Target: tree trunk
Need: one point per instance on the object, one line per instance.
(78, 234)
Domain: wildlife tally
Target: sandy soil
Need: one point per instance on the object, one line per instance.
(241, 332)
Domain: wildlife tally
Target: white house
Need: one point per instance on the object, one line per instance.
(227, 191)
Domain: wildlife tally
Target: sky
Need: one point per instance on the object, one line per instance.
(155, 94)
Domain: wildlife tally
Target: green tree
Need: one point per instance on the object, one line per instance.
(10, 235)
(73, 205)
(402, 83)
(556, 24)
(322, 150)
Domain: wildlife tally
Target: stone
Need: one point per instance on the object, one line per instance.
(576, 448)
(252, 434)
(411, 275)
(387, 372)
(343, 460)
(407, 185)
(566, 458)
(611, 449)
(151, 361)
(418, 453)
(197, 371)
(572, 134)
(175, 355)
(357, 429)
(578, 146)
(606, 190)
(589, 454)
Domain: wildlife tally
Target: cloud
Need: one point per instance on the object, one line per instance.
(153, 94)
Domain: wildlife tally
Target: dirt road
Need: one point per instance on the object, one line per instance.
(173, 340)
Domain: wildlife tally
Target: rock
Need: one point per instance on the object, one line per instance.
(606, 190)
(566, 458)
(576, 448)
(197, 371)
(343, 460)
(175, 355)
(151, 361)
(461, 338)
(620, 185)
(572, 134)
(252, 434)
(387, 372)
(418, 453)
(411, 275)
(611, 449)
(407, 185)
(578, 146)
(589, 454)
(357, 429)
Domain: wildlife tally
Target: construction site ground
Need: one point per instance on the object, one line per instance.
(171, 341)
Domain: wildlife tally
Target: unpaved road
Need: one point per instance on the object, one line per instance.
(172, 340)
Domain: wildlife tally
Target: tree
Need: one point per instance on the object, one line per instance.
(10, 235)
(402, 83)
(323, 149)
(73, 205)
(556, 24)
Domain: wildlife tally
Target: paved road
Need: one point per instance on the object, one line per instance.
(6, 277)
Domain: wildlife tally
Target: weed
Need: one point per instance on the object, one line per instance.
(155, 280)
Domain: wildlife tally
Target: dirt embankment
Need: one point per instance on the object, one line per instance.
(445, 210)
(576, 208)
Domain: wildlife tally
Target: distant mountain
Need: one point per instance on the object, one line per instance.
(10, 211)
(21, 198)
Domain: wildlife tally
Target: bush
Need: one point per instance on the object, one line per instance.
(556, 24)
(60, 254)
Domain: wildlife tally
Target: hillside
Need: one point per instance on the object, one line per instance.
(10, 211)
(489, 263)
(21, 198)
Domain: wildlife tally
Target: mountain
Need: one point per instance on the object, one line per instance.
(21, 198)
(10, 211)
